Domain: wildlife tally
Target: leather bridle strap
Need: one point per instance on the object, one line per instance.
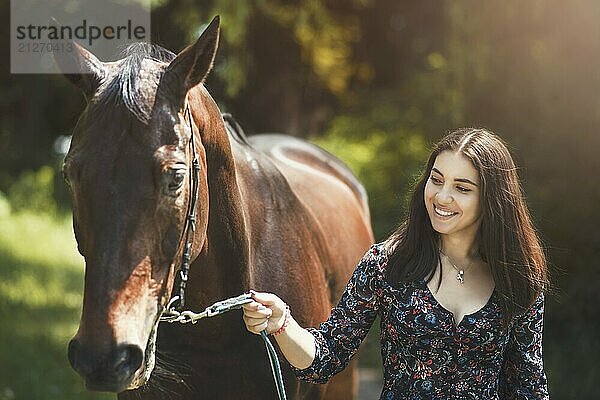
(174, 312)
(177, 302)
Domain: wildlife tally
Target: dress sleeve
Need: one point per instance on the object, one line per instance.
(522, 375)
(338, 338)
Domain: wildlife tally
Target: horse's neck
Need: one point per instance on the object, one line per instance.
(224, 258)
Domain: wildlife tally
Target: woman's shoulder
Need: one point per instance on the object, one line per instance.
(378, 251)
(382, 252)
(374, 267)
(375, 259)
(384, 249)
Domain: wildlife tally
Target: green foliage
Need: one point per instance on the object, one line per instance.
(41, 279)
(232, 70)
(383, 154)
(4, 206)
(325, 38)
(34, 190)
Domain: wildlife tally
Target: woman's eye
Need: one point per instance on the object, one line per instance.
(435, 180)
(462, 189)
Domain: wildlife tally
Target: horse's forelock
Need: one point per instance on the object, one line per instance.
(134, 82)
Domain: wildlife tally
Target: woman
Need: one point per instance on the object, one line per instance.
(459, 288)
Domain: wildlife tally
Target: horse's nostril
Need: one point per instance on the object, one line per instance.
(106, 372)
(128, 359)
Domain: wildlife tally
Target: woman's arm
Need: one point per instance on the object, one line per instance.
(318, 354)
(522, 375)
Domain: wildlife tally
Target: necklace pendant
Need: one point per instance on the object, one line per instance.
(460, 276)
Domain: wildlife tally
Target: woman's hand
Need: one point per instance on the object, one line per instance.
(267, 311)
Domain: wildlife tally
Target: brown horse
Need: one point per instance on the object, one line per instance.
(274, 214)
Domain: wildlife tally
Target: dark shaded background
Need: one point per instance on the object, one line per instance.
(375, 81)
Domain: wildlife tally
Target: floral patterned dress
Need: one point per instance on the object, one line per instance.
(425, 354)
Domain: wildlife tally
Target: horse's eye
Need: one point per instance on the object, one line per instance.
(174, 180)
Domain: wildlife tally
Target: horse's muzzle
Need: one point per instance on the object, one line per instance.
(106, 372)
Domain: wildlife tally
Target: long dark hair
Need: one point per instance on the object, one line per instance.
(507, 239)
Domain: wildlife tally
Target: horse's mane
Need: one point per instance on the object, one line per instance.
(129, 89)
(235, 130)
(126, 87)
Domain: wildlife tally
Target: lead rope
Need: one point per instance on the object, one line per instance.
(172, 312)
(275, 366)
(221, 307)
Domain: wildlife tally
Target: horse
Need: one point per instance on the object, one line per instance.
(270, 212)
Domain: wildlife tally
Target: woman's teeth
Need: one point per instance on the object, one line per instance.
(443, 213)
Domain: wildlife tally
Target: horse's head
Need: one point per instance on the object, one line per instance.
(129, 170)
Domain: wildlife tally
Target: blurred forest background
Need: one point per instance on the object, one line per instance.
(374, 82)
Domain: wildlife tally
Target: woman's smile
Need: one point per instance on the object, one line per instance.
(442, 214)
(452, 195)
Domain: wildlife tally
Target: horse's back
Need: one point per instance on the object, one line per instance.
(293, 154)
(295, 191)
(331, 193)
(325, 186)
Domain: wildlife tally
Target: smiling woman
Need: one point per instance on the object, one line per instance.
(452, 199)
(459, 288)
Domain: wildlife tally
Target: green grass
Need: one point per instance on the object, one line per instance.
(41, 280)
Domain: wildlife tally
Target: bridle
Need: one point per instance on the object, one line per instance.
(174, 311)
(177, 301)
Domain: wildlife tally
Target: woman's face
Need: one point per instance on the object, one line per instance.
(452, 195)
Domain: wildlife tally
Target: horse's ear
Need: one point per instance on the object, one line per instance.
(192, 64)
(81, 67)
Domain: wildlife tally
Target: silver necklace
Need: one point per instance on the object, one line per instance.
(460, 276)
